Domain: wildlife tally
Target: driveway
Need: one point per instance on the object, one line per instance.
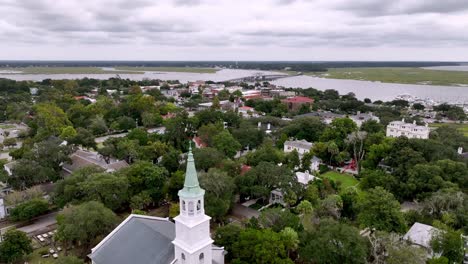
(244, 212)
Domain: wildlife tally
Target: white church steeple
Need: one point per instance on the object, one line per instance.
(192, 244)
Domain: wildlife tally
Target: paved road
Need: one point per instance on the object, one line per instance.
(104, 138)
(159, 130)
(40, 223)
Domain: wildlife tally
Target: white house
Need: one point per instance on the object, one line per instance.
(315, 163)
(3, 212)
(409, 130)
(304, 177)
(147, 239)
(301, 146)
(421, 235)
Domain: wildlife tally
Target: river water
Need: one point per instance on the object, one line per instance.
(378, 90)
(362, 89)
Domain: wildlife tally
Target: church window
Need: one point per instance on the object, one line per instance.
(183, 258)
(198, 206)
(183, 206)
(201, 258)
(190, 208)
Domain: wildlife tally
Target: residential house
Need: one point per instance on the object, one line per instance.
(247, 111)
(304, 177)
(282, 93)
(295, 103)
(148, 239)
(252, 94)
(360, 118)
(301, 146)
(85, 158)
(409, 130)
(421, 235)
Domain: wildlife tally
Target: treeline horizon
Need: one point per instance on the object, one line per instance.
(257, 65)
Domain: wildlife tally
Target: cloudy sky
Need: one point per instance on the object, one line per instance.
(234, 29)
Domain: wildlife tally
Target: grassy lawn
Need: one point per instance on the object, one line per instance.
(346, 180)
(398, 75)
(67, 70)
(463, 128)
(169, 69)
(36, 257)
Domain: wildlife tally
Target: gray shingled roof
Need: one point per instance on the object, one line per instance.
(145, 240)
(82, 158)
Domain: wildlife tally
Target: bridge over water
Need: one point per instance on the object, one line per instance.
(260, 77)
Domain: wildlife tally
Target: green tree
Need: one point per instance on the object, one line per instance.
(176, 183)
(29, 210)
(219, 195)
(85, 224)
(170, 160)
(267, 152)
(248, 135)
(226, 143)
(150, 119)
(424, 179)
(15, 246)
(263, 178)
(209, 131)
(144, 176)
(138, 134)
(206, 158)
(338, 130)
(260, 246)
(333, 242)
(372, 126)
(331, 206)
(379, 209)
(308, 128)
(83, 138)
(109, 189)
(450, 244)
(49, 120)
(226, 236)
(140, 201)
(292, 160)
(277, 219)
(69, 190)
(68, 133)
(216, 104)
(290, 239)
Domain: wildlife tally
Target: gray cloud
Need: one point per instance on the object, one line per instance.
(213, 29)
(380, 8)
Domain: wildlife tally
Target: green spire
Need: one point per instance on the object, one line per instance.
(191, 185)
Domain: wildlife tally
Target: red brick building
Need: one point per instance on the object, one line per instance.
(295, 103)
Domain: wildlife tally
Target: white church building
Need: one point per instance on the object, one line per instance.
(153, 240)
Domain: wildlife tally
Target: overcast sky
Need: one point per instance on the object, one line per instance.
(234, 30)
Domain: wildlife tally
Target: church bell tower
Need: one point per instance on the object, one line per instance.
(192, 244)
